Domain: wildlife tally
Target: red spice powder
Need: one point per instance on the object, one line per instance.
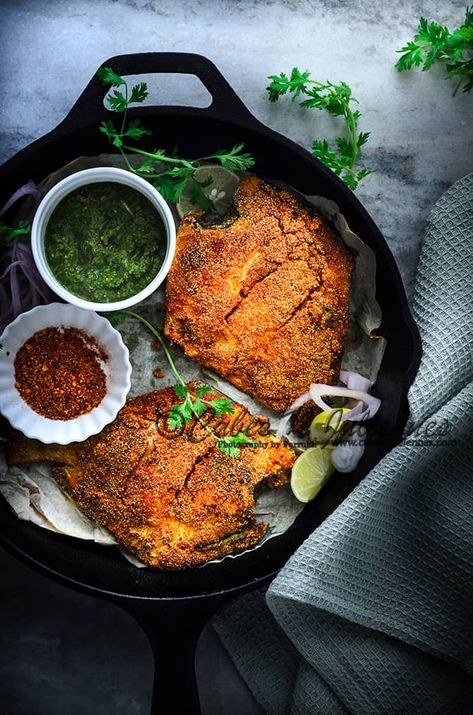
(59, 373)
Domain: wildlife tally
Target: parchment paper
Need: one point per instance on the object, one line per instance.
(32, 492)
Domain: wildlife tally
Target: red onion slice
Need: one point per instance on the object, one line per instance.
(346, 456)
(29, 188)
(372, 404)
(283, 425)
(355, 381)
(298, 403)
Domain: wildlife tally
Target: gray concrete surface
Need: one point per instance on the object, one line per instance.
(61, 652)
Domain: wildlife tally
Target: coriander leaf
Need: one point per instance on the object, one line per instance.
(184, 409)
(135, 130)
(168, 172)
(337, 100)
(117, 101)
(321, 149)
(234, 159)
(230, 445)
(279, 85)
(412, 57)
(350, 180)
(108, 129)
(147, 167)
(222, 406)
(174, 420)
(139, 92)
(198, 196)
(166, 187)
(298, 82)
(181, 413)
(465, 32)
(363, 138)
(436, 43)
(108, 76)
(7, 233)
(203, 390)
(181, 390)
(345, 149)
(198, 407)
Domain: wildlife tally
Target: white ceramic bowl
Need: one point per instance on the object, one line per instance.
(117, 370)
(91, 176)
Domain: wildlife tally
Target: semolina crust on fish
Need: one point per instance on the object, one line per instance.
(173, 500)
(262, 301)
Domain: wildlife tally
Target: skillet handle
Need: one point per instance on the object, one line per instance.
(173, 628)
(89, 108)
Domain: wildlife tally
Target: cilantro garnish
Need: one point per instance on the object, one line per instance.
(8, 234)
(435, 43)
(337, 99)
(195, 405)
(168, 172)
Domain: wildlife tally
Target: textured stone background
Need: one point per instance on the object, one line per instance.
(61, 652)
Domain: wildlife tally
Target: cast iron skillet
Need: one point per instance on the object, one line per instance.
(172, 607)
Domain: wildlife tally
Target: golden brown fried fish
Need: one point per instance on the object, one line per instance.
(263, 301)
(172, 502)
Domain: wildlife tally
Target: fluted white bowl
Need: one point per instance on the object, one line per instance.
(117, 371)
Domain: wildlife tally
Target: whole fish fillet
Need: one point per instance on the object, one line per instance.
(262, 301)
(171, 498)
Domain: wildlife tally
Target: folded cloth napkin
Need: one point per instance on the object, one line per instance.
(374, 612)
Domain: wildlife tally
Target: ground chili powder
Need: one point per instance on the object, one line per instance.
(59, 373)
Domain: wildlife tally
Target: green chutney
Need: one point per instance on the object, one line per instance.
(105, 242)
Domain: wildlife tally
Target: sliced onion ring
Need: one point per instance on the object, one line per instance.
(298, 403)
(283, 425)
(345, 458)
(355, 381)
(372, 404)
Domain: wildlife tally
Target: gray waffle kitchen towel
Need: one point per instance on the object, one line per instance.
(374, 612)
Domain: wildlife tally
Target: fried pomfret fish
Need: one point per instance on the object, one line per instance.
(171, 498)
(262, 301)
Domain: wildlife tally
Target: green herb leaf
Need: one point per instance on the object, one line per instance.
(174, 420)
(139, 92)
(8, 233)
(337, 100)
(234, 159)
(135, 130)
(230, 445)
(202, 391)
(198, 407)
(435, 43)
(108, 76)
(222, 406)
(198, 196)
(168, 172)
(117, 101)
(181, 390)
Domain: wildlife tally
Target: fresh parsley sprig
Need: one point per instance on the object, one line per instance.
(168, 172)
(194, 405)
(435, 43)
(337, 100)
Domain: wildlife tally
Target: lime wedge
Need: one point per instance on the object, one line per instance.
(325, 425)
(220, 190)
(310, 472)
